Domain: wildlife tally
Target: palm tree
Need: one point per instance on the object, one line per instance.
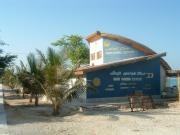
(57, 78)
(31, 76)
(36, 72)
(9, 78)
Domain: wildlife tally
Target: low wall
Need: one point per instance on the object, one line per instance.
(3, 121)
(156, 98)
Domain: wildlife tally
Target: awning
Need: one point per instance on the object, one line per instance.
(83, 70)
(173, 73)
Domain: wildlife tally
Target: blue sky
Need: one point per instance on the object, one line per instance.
(30, 24)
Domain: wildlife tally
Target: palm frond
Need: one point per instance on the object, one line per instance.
(76, 88)
(42, 56)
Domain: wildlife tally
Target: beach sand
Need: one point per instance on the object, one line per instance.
(26, 119)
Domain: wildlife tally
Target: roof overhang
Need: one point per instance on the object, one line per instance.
(173, 73)
(83, 70)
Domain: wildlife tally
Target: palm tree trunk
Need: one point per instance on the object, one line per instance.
(23, 95)
(30, 99)
(56, 108)
(36, 100)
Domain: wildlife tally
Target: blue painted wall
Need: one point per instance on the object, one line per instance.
(124, 80)
(114, 51)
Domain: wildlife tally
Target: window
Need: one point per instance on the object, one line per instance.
(93, 56)
(99, 54)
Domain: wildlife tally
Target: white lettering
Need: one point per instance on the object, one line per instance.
(115, 73)
(116, 79)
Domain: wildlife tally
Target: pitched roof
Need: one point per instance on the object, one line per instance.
(128, 42)
(83, 70)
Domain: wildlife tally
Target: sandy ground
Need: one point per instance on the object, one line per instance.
(25, 119)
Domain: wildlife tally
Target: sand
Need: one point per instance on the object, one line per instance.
(25, 119)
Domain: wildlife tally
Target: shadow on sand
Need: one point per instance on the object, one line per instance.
(22, 114)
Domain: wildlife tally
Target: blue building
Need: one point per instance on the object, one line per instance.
(120, 67)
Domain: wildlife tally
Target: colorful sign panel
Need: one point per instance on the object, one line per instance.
(114, 51)
(125, 80)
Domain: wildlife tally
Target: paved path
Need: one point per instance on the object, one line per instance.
(3, 121)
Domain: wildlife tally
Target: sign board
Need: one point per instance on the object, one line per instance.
(114, 51)
(125, 80)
